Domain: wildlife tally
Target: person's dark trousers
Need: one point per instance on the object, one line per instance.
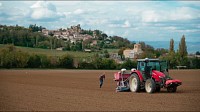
(101, 83)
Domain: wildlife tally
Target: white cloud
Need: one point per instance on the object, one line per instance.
(110, 32)
(125, 34)
(75, 22)
(187, 31)
(97, 21)
(113, 25)
(66, 3)
(88, 11)
(170, 28)
(180, 13)
(67, 13)
(133, 10)
(126, 24)
(119, 23)
(184, 13)
(79, 11)
(0, 4)
(150, 16)
(44, 10)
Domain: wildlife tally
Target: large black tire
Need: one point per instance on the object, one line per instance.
(134, 83)
(172, 89)
(150, 86)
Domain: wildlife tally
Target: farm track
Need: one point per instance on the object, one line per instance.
(78, 90)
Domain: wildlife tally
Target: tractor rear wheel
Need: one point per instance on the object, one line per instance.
(134, 83)
(172, 89)
(150, 86)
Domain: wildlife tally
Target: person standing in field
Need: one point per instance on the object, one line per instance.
(101, 79)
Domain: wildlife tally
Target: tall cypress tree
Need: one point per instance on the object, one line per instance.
(172, 56)
(182, 52)
(171, 47)
(182, 47)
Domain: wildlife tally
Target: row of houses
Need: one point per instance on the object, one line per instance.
(72, 34)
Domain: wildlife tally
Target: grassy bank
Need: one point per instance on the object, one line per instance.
(53, 52)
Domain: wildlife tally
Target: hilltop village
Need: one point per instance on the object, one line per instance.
(88, 38)
(75, 34)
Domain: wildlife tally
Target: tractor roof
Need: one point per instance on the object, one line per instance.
(148, 60)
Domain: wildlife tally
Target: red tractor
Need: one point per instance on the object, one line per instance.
(151, 75)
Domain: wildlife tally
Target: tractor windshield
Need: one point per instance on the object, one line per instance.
(155, 65)
(163, 65)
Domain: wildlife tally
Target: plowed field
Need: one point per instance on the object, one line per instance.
(78, 90)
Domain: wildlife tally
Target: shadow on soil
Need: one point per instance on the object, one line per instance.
(161, 92)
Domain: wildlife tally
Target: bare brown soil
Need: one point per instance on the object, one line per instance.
(78, 90)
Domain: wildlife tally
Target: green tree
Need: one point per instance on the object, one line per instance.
(121, 51)
(196, 63)
(182, 47)
(54, 61)
(182, 52)
(173, 59)
(78, 46)
(21, 59)
(34, 61)
(86, 65)
(143, 45)
(8, 56)
(103, 36)
(197, 53)
(35, 28)
(45, 61)
(98, 63)
(109, 64)
(67, 61)
(67, 47)
(106, 54)
(171, 47)
(172, 56)
(128, 64)
(44, 44)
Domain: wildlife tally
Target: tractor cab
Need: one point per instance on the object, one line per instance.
(146, 66)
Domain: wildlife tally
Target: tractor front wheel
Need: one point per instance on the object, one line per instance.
(150, 86)
(134, 83)
(172, 89)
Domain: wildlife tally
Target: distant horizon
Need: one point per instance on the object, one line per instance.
(162, 41)
(192, 47)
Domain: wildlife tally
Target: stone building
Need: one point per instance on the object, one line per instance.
(133, 53)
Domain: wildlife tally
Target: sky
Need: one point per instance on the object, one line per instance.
(134, 20)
